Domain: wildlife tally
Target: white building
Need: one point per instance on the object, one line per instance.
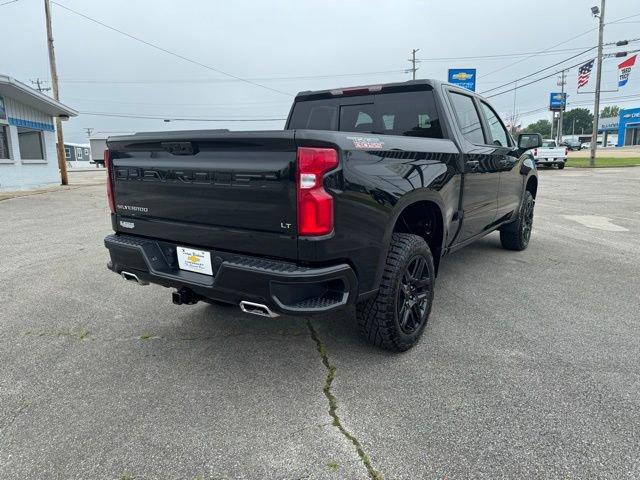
(78, 155)
(98, 142)
(28, 156)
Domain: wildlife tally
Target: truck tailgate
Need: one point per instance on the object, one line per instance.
(229, 191)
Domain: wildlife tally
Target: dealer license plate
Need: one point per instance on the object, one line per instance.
(198, 261)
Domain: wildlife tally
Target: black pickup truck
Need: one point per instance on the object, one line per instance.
(354, 203)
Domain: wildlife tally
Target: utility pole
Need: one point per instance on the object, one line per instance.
(596, 105)
(62, 164)
(89, 131)
(564, 102)
(413, 61)
(38, 83)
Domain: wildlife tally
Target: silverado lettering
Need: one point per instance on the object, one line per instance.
(260, 179)
(355, 203)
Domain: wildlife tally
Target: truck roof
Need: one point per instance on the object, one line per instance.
(410, 85)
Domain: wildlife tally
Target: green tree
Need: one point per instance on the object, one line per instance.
(610, 111)
(583, 121)
(543, 127)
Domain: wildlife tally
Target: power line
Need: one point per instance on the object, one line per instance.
(503, 55)
(169, 52)
(544, 78)
(551, 66)
(608, 101)
(182, 104)
(170, 118)
(535, 73)
(545, 50)
(619, 20)
(7, 3)
(223, 80)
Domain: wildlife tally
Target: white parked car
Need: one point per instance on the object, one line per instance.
(550, 154)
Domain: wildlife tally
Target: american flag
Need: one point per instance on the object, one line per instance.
(583, 73)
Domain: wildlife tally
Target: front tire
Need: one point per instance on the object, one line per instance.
(516, 235)
(396, 317)
(560, 166)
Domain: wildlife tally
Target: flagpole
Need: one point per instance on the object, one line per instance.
(596, 106)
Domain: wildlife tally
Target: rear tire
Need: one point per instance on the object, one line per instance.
(396, 317)
(516, 235)
(560, 166)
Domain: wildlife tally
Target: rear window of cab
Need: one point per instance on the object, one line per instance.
(410, 114)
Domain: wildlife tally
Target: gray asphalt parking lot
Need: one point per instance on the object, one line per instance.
(529, 367)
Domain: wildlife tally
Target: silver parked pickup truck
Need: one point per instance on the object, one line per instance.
(550, 154)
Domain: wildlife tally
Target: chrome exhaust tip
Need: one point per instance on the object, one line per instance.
(132, 277)
(257, 309)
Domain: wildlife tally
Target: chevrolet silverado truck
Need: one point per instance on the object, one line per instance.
(354, 203)
(550, 154)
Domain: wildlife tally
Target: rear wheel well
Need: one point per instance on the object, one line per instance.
(532, 186)
(425, 220)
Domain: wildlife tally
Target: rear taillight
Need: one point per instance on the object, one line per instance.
(535, 152)
(107, 165)
(315, 205)
(566, 152)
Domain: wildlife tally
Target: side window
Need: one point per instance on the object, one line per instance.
(30, 144)
(467, 117)
(498, 133)
(411, 114)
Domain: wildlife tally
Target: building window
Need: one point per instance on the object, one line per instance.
(4, 143)
(30, 142)
(78, 154)
(67, 152)
(86, 152)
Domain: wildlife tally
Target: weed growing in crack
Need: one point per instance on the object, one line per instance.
(333, 404)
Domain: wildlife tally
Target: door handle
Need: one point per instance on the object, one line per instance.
(472, 165)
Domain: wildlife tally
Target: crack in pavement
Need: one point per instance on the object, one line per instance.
(333, 405)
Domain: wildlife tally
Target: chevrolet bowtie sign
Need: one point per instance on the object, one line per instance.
(463, 77)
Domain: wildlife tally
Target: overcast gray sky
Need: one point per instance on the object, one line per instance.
(324, 41)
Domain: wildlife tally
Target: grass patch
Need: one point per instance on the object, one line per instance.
(604, 162)
(80, 334)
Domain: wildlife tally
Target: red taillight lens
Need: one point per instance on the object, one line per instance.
(535, 152)
(566, 152)
(107, 165)
(315, 205)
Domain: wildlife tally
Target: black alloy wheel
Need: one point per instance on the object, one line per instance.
(412, 303)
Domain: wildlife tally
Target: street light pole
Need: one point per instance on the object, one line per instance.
(561, 119)
(596, 105)
(62, 164)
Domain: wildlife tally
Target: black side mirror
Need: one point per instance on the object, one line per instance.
(527, 141)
